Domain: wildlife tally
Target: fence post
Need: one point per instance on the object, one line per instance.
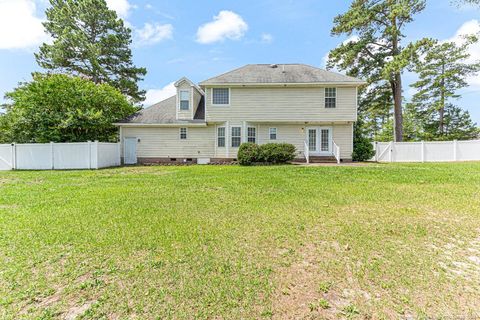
(376, 151)
(119, 153)
(95, 153)
(89, 154)
(423, 151)
(14, 156)
(390, 154)
(52, 156)
(454, 150)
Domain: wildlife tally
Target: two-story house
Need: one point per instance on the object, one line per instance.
(311, 108)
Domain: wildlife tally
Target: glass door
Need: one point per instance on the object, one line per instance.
(319, 141)
(312, 140)
(325, 145)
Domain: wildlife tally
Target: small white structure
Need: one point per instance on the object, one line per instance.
(432, 151)
(51, 156)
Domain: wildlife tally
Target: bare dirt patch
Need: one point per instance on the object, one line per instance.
(299, 294)
(462, 258)
(61, 297)
(76, 311)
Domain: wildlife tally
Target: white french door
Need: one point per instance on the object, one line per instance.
(319, 140)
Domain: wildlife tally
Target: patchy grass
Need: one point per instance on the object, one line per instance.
(378, 241)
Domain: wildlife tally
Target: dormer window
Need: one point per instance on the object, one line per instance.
(330, 97)
(184, 99)
(221, 96)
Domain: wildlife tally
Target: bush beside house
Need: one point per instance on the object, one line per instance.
(362, 146)
(273, 153)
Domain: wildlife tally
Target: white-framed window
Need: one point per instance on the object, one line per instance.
(221, 137)
(272, 132)
(252, 134)
(236, 137)
(184, 99)
(330, 97)
(220, 96)
(183, 133)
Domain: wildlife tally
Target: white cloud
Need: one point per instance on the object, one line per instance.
(156, 95)
(122, 7)
(19, 26)
(267, 38)
(227, 25)
(468, 28)
(153, 33)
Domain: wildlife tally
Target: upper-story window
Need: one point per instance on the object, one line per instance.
(330, 97)
(184, 99)
(220, 96)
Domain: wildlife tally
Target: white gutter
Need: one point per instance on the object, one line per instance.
(161, 125)
(279, 84)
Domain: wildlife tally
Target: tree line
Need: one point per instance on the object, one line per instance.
(379, 53)
(89, 80)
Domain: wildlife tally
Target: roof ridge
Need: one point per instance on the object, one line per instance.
(292, 73)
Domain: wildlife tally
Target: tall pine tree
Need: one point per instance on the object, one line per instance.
(377, 53)
(89, 40)
(442, 72)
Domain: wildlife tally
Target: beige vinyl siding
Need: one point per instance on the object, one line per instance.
(165, 142)
(343, 137)
(283, 104)
(184, 114)
(288, 133)
(195, 100)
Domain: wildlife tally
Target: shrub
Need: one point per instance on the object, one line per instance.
(362, 146)
(277, 152)
(248, 154)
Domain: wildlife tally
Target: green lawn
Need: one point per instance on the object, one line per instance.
(229, 242)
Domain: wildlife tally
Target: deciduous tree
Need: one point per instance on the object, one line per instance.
(62, 108)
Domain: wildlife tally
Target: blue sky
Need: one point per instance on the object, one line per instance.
(200, 39)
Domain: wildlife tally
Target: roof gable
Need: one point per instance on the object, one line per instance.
(191, 83)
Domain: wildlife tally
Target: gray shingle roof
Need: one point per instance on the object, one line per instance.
(282, 73)
(163, 112)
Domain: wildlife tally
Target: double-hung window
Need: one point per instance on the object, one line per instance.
(183, 133)
(252, 134)
(272, 133)
(330, 97)
(236, 137)
(221, 137)
(184, 99)
(220, 96)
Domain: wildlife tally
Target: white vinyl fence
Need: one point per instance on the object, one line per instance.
(432, 151)
(50, 156)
